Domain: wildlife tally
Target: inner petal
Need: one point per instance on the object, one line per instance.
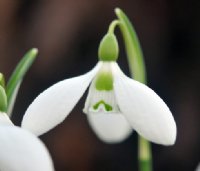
(100, 101)
(101, 97)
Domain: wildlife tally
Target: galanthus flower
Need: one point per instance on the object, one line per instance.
(115, 104)
(21, 150)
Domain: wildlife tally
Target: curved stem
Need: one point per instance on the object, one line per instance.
(112, 26)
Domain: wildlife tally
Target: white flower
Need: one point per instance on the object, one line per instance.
(21, 150)
(114, 107)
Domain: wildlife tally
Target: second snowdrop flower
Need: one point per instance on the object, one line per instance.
(20, 149)
(115, 104)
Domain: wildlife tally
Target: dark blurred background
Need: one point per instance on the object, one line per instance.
(67, 34)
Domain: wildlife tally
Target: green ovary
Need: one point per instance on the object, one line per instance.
(108, 48)
(104, 81)
(107, 106)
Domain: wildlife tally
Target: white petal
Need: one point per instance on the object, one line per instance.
(110, 128)
(4, 119)
(53, 105)
(144, 109)
(22, 151)
(198, 168)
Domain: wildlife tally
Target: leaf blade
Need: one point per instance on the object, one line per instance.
(133, 48)
(16, 78)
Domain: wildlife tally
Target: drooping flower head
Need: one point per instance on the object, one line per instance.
(115, 104)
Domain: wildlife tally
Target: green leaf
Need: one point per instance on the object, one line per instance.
(17, 77)
(2, 80)
(132, 45)
(3, 99)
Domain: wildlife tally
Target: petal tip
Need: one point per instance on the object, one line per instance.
(167, 138)
(171, 139)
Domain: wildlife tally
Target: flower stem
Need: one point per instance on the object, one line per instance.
(144, 155)
(112, 26)
(137, 69)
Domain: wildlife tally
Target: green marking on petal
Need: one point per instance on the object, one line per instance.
(107, 106)
(104, 81)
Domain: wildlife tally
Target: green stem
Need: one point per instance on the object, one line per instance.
(112, 26)
(137, 69)
(144, 155)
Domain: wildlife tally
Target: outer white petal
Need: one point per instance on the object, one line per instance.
(144, 109)
(4, 119)
(110, 128)
(20, 150)
(53, 105)
(198, 167)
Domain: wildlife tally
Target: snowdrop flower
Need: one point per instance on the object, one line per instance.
(21, 150)
(115, 104)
